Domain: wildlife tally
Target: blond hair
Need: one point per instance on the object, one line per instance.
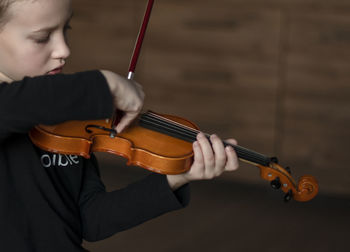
(4, 5)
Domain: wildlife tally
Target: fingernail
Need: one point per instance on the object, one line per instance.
(213, 136)
(119, 129)
(200, 135)
(229, 148)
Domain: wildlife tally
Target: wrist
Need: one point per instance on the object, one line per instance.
(111, 80)
(176, 181)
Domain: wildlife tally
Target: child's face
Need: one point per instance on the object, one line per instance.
(33, 42)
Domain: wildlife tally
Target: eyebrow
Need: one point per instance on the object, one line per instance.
(48, 29)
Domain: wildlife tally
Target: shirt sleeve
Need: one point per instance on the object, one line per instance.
(53, 99)
(106, 213)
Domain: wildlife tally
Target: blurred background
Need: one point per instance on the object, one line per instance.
(273, 74)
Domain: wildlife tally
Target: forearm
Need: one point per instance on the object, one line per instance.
(53, 99)
(105, 214)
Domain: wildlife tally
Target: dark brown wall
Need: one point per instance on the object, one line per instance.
(273, 74)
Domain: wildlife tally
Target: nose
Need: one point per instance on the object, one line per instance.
(60, 48)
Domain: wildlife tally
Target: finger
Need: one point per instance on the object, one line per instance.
(208, 155)
(232, 163)
(125, 121)
(220, 154)
(231, 141)
(198, 163)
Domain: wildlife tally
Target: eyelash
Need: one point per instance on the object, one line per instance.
(67, 27)
(43, 40)
(46, 39)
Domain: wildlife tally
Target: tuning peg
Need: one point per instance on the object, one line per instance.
(288, 196)
(276, 183)
(274, 160)
(288, 170)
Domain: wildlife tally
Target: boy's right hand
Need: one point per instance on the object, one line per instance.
(128, 97)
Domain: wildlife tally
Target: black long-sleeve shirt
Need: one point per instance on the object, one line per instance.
(50, 202)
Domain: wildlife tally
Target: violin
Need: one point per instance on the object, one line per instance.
(157, 142)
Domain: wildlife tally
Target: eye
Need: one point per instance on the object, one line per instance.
(67, 27)
(43, 40)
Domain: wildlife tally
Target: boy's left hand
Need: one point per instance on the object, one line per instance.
(211, 159)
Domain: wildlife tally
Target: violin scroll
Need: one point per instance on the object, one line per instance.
(305, 190)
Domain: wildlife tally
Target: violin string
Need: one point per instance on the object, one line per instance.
(161, 118)
(189, 134)
(173, 127)
(240, 149)
(167, 129)
(186, 128)
(241, 152)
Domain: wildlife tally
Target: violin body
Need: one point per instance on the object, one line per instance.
(161, 144)
(142, 147)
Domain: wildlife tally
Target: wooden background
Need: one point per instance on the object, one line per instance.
(272, 74)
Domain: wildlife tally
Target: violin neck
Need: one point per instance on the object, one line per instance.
(163, 125)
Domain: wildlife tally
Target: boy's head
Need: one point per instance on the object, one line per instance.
(33, 37)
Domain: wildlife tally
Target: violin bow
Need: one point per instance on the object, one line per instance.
(139, 40)
(135, 56)
(279, 177)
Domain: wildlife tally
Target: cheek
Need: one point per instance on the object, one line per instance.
(21, 57)
(34, 55)
(33, 60)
